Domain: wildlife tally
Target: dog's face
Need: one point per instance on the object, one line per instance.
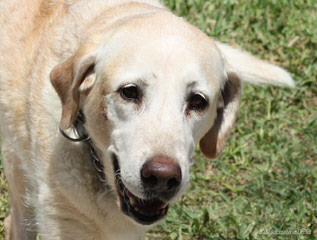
(151, 92)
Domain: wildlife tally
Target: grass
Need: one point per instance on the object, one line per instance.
(3, 200)
(264, 185)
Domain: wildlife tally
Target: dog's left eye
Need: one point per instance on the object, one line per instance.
(197, 102)
(130, 92)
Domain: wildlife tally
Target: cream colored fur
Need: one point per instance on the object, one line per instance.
(54, 191)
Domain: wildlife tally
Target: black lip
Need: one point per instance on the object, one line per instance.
(146, 217)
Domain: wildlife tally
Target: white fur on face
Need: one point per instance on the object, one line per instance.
(167, 69)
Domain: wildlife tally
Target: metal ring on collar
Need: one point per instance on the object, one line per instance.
(82, 138)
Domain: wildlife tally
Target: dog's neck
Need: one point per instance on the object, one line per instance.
(81, 135)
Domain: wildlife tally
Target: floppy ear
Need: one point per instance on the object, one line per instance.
(69, 79)
(247, 68)
(228, 107)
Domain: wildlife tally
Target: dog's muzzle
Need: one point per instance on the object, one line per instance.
(161, 178)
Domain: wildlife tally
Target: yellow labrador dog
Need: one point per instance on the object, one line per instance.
(102, 103)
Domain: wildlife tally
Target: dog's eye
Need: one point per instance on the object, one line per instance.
(130, 92)
(197, 102)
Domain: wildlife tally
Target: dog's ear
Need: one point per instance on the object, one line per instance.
(239, 65)
(69, 79)
(228, 107)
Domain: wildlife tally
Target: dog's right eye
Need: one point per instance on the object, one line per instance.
(130, 92)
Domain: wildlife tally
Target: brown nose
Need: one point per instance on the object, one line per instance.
(161, 175)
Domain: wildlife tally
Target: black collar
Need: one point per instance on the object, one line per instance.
(81, 135)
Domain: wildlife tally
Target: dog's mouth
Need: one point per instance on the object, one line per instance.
(143, 211)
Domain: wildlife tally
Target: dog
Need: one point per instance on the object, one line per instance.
(102, 105)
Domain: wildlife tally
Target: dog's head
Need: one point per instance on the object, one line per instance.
(151, 91)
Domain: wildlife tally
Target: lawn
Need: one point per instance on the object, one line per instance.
(264, 184)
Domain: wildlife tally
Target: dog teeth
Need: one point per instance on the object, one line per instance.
(151, 207)
(164, 205)
(132, 201)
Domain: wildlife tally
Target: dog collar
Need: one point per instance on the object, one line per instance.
(96, 162)
(81, 135)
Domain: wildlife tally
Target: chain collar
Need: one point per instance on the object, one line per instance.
(81, 135)
(96, 162)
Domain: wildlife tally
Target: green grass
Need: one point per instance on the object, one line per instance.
(266, 178)
(3, 200)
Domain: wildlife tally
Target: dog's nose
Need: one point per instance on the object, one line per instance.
(161, 175)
